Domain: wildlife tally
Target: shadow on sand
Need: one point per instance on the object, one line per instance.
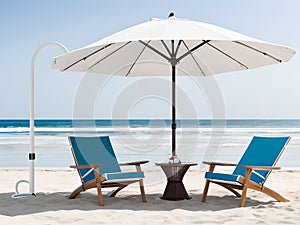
(89, 201)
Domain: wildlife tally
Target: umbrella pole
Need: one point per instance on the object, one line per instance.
(173, 110)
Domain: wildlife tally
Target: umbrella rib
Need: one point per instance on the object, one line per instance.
(136, 60)
(155, 50)
(254, 49)
(194, 59)
(193, 49)
(224, 53)
(84, 58)
(166, 47)
(177, 48)
(108, 55)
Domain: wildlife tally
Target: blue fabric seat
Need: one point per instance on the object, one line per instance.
(252, 170)
(124, 175)
(97, 166)
(221, 177)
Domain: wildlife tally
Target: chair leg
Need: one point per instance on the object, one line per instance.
(142, 191)
(76, 192)
(274, 194)
(83, 187)
(230, 189)
(243, 198)
(98, 182)
(138, 169)
(100, 198)
(205, 191)
(211, 169)
(269, 192)
(246, 183)
(117, 190)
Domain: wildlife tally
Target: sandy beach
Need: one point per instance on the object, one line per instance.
(51, 205)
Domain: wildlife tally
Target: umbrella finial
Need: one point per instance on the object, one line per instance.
(171, 15)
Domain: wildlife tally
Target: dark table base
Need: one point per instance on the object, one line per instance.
(175, 191)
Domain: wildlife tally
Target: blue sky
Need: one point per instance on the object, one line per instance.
(268, 92)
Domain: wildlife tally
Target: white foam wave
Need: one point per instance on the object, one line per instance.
(150, 129)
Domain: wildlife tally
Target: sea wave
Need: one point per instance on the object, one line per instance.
(148, 129)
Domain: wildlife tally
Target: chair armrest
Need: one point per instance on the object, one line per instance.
(219, 163)
(260, 167)
(86, 166)
(133, 163)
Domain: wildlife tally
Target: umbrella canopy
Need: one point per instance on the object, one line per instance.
(185, 47)
(200, 49)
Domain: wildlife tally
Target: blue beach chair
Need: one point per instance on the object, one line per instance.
(252, 170)
(98, 167)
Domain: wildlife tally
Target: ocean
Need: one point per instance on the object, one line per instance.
(197, 140)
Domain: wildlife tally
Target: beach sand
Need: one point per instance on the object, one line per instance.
(51, 205)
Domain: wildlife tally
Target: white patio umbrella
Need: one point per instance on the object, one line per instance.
(163, 47)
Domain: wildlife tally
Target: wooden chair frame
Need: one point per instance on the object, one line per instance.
(100, 181)
(245, 183)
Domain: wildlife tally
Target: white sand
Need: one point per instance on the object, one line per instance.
(52, 207)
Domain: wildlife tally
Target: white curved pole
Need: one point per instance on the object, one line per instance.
(31, 181)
